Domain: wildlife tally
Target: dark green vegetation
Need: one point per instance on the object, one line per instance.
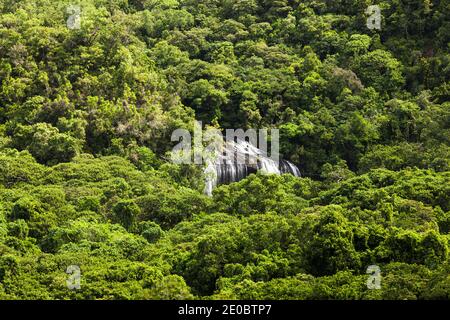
(85, 122)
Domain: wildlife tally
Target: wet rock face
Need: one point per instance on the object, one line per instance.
(237, 160)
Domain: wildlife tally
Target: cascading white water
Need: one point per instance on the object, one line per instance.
(238, 160)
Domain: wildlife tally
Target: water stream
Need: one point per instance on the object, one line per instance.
(237, 160)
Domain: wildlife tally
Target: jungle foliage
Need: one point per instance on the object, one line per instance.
(86, 117)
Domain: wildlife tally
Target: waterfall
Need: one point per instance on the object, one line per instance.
(237, 160)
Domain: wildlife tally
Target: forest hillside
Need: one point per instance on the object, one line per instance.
(91, 91)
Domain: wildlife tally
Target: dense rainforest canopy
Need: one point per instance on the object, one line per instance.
(86, 116)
